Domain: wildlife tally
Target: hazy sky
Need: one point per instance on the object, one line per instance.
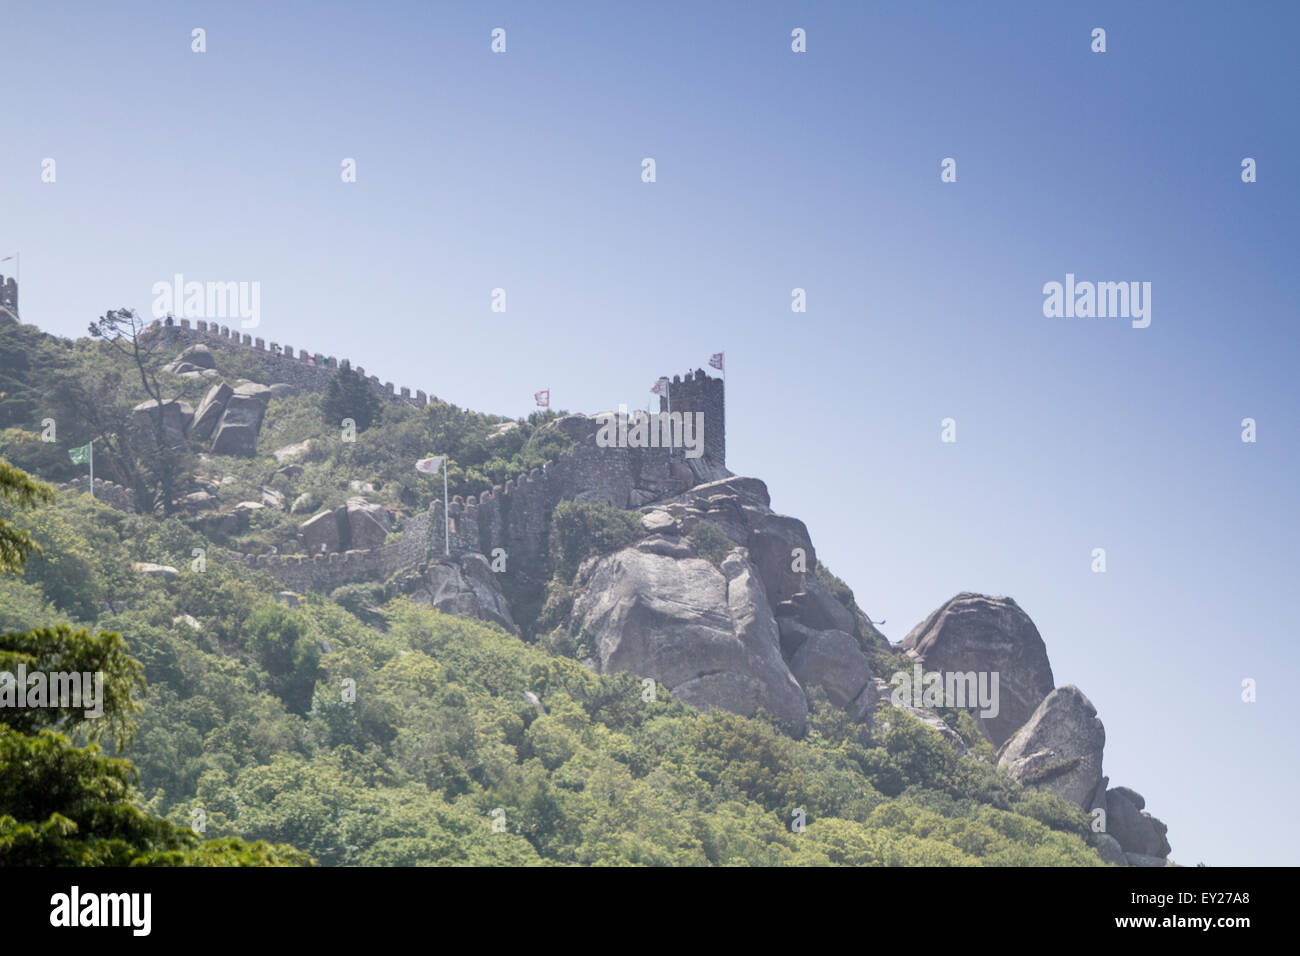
(776, 171)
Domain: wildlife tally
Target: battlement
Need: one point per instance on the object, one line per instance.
(513, 517)
(9, 297)
(299, 367)
(700, 392)
(106, 492)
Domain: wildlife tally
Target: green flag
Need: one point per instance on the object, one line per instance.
(80, 455)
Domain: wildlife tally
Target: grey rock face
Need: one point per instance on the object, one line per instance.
(657, 522)
(290, 452)
(465, 586)
(1108, 849)
(234, 439)
(1060, 748)
(209, 411)
(197, 355)
(1136, 830)
(358, 525)
(833, 661)
(669, 547)
(236, 431)
(149, 569)
(367, 524)
(1132, 796)
(176, 418)
(706, 633)
(199, 500)
(320, 533)
(711, 634)
(974, 632)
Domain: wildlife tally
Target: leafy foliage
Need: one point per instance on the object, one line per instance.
(710, 543)
(364, 729)
(580, 529)
(18, 487)
(350, 396)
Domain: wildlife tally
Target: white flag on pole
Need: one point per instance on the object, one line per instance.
(429, 466)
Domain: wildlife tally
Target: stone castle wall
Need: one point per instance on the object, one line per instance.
(106, 492)
(514, 516)
(301, 368)
(9, 296)
(698, 392)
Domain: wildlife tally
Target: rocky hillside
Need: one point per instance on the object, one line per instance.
(627, 563)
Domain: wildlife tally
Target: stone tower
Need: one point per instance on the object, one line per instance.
(698, 392)
(9, 297)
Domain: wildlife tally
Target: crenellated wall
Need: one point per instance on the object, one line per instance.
(319, 572)
(106, 492)
(699, 392)
(514, 516)
(8, 298)
(302, 368)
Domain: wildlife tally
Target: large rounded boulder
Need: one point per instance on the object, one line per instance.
(975, 633)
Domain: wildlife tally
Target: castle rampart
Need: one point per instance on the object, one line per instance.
(514, 516)
(9, 297)
(700, 392)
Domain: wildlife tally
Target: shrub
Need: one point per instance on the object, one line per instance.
(580, 529)
(710, 543)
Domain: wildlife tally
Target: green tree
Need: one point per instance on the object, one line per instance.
(65, 805)
(279, 640)
(162, 460)
(21, 489)
(350, 395)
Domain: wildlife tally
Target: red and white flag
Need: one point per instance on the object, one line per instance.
(660, 387)
(429, 466)
(716, 361)
(543, 398)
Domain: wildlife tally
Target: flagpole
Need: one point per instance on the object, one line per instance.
(668, 397)
(92, 465)
(446, 505)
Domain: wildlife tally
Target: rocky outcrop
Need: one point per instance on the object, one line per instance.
(320, 533)
(176, 419)
(149, 569)
(705, 632)
(290, 452)
(1060, 748)
(1137, 831)
(209, 411)
(241, 419)
(1109, 850)
(981, 634)
(359, 524)
(779, 547)
(756, 629)
(833, 661)
(193, 360)
(464, 585)
(367, 524)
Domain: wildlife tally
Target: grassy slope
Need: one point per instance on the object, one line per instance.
(246, 716)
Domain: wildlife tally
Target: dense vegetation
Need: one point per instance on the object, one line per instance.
(364, 729)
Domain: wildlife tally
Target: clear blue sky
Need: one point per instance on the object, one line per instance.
(776, 171)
